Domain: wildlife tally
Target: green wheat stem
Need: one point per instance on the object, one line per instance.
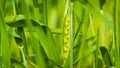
(14, 8)
(117, 25)
(44, 15)
(117, 36)
(23, 56)
(97, 50)
(71, 35)
(5, 47)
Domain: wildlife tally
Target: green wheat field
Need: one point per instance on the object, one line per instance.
(59, 33)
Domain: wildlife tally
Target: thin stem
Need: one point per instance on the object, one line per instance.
(71, 35)
(45, 21)
(14, 8)
(23, 56)
(117, 33)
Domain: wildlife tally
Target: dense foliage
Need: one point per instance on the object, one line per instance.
(59, 34)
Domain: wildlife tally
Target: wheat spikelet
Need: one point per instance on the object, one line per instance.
(66, 36)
